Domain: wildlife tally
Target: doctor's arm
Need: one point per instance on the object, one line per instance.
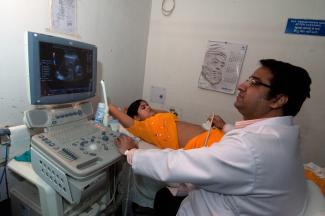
(219, 165)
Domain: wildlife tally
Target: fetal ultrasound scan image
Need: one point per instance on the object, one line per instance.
(70, 68)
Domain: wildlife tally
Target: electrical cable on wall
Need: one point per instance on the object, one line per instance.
(167, 11)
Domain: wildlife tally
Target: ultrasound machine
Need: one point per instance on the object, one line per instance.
(72, 154)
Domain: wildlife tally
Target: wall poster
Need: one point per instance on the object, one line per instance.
(64, 16)
(222, 66)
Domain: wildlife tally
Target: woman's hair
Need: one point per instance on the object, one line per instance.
(133, 108)
(290, 80)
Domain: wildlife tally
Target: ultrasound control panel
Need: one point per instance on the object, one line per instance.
(80, 155)
(81, 147)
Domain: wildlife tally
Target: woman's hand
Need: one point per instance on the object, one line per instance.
(124, 142)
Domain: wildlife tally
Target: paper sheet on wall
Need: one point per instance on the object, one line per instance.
(222, 66)
(63, 16)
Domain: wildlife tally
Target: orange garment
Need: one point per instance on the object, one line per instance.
(317, 180)
(199, 140)
(161, 131)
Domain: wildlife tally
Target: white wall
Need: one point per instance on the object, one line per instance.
(177, 45)
(119, 28)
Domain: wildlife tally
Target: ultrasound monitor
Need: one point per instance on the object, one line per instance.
(60, 70)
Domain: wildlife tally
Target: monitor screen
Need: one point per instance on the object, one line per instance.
(60, 70)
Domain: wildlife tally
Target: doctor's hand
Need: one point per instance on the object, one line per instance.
(217, 122)
(124, 142)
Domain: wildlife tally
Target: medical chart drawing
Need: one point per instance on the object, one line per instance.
(221, 66)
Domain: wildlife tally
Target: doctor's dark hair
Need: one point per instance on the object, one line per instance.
(289, 80)
(133, 108)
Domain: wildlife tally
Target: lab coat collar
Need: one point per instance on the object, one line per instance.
(286, 120)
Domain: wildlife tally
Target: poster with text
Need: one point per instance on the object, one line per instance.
(222, 66)
(63, 16)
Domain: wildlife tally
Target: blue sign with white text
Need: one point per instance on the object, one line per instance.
(306, 27)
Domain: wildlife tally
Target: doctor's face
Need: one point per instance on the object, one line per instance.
(252, 100)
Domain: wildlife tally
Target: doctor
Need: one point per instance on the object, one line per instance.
(256, 169)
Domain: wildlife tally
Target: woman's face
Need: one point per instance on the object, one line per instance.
(144, 111)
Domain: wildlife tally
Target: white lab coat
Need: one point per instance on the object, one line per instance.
(256, 170)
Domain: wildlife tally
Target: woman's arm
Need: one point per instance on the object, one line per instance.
(123, 118)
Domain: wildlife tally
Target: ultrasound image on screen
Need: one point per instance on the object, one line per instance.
(65, 69)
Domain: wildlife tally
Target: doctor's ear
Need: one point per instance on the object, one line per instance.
(279, 101)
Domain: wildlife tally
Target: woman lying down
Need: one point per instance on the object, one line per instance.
(163, 129)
